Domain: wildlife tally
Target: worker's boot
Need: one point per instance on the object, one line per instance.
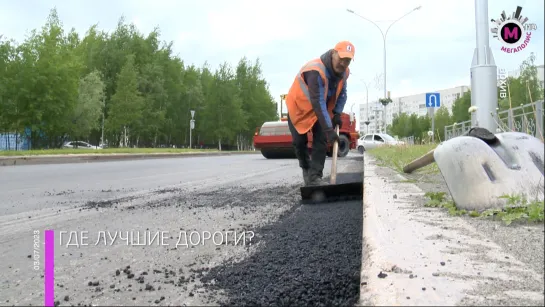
(315, 178)
(305, 176)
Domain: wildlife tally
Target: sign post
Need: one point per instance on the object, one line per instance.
(191, 126)
(433, 100)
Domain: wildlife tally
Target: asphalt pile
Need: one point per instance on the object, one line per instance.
(311, 256)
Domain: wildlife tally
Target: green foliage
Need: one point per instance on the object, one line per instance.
(385, 101)
(460, 107)
(127, 103)
(518, 208)
(523, 89)
(442, 119)
(437, 200)
(63, 86)
(396, 157)
(406, 125)
(88, 110)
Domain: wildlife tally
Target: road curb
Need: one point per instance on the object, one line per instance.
(85, 158)
(418, 256)
(401, 265)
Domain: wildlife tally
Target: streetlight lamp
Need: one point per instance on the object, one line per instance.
(367, 122)
(386, 99)
(384, 34)
(352, 115)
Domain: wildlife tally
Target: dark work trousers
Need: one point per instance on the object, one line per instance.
(314, 163)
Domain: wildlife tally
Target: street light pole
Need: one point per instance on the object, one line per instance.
(352, 115)
(191, 126)
(483, 73)
(102, 134)
(384, 34)
(366, 102)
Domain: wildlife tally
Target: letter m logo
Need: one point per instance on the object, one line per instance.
(510, 33)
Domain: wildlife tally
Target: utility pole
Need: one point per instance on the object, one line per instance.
(191, 126)
(367, 122)
(386, 99)
(483, 71)
(103, 111)
(433, 125)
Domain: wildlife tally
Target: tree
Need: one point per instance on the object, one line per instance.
(257, 103)
(442, 118)
(58, 85)
(88, 110)
(523, 89)
(126, 103)
(152, 87)
(7, 103)
(401, 126)
(460, 108)
(47, 80)
(225, 106)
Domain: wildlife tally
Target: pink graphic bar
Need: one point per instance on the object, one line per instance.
(49, 276)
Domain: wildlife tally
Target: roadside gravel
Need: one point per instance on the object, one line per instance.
(524, 240)
(483, 262)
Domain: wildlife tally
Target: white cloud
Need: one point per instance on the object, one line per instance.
(136, 21)
(246, 24)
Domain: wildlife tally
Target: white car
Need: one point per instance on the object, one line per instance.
(80, 145)
(373, 140)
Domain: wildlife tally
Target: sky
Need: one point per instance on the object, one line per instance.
(427, 50)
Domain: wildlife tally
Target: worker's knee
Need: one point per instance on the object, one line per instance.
(319, 136)
(320, 141)
(299, 141)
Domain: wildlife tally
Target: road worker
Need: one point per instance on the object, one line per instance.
(315, 102)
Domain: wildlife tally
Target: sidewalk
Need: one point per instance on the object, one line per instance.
(414, 255)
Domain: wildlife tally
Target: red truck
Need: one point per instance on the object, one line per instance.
(275, 141)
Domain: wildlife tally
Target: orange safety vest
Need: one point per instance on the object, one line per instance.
(300, 109)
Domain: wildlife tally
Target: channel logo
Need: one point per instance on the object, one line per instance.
(514, 31)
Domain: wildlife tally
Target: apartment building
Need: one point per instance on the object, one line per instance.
(371, 112)
(380, 116)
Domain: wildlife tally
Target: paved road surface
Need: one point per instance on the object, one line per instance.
(261, 247)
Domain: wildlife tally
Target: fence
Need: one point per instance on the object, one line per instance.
(527, 118)
(408, 140)
(13, 141)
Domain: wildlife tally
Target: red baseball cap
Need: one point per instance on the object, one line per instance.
(345, 49)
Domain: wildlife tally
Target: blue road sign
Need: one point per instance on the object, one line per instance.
(433, 100)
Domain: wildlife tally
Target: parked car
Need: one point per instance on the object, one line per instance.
(80, 145)
(373, 140)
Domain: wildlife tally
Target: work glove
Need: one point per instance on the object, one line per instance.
(337, 121)
(332, 136)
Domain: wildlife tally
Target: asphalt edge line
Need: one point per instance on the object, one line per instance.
(85, 158)
(383, 285)
(363, 300)
(370, 295)
(374, 290)
(396, 246)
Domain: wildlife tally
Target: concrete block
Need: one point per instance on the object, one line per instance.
(478, 174)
